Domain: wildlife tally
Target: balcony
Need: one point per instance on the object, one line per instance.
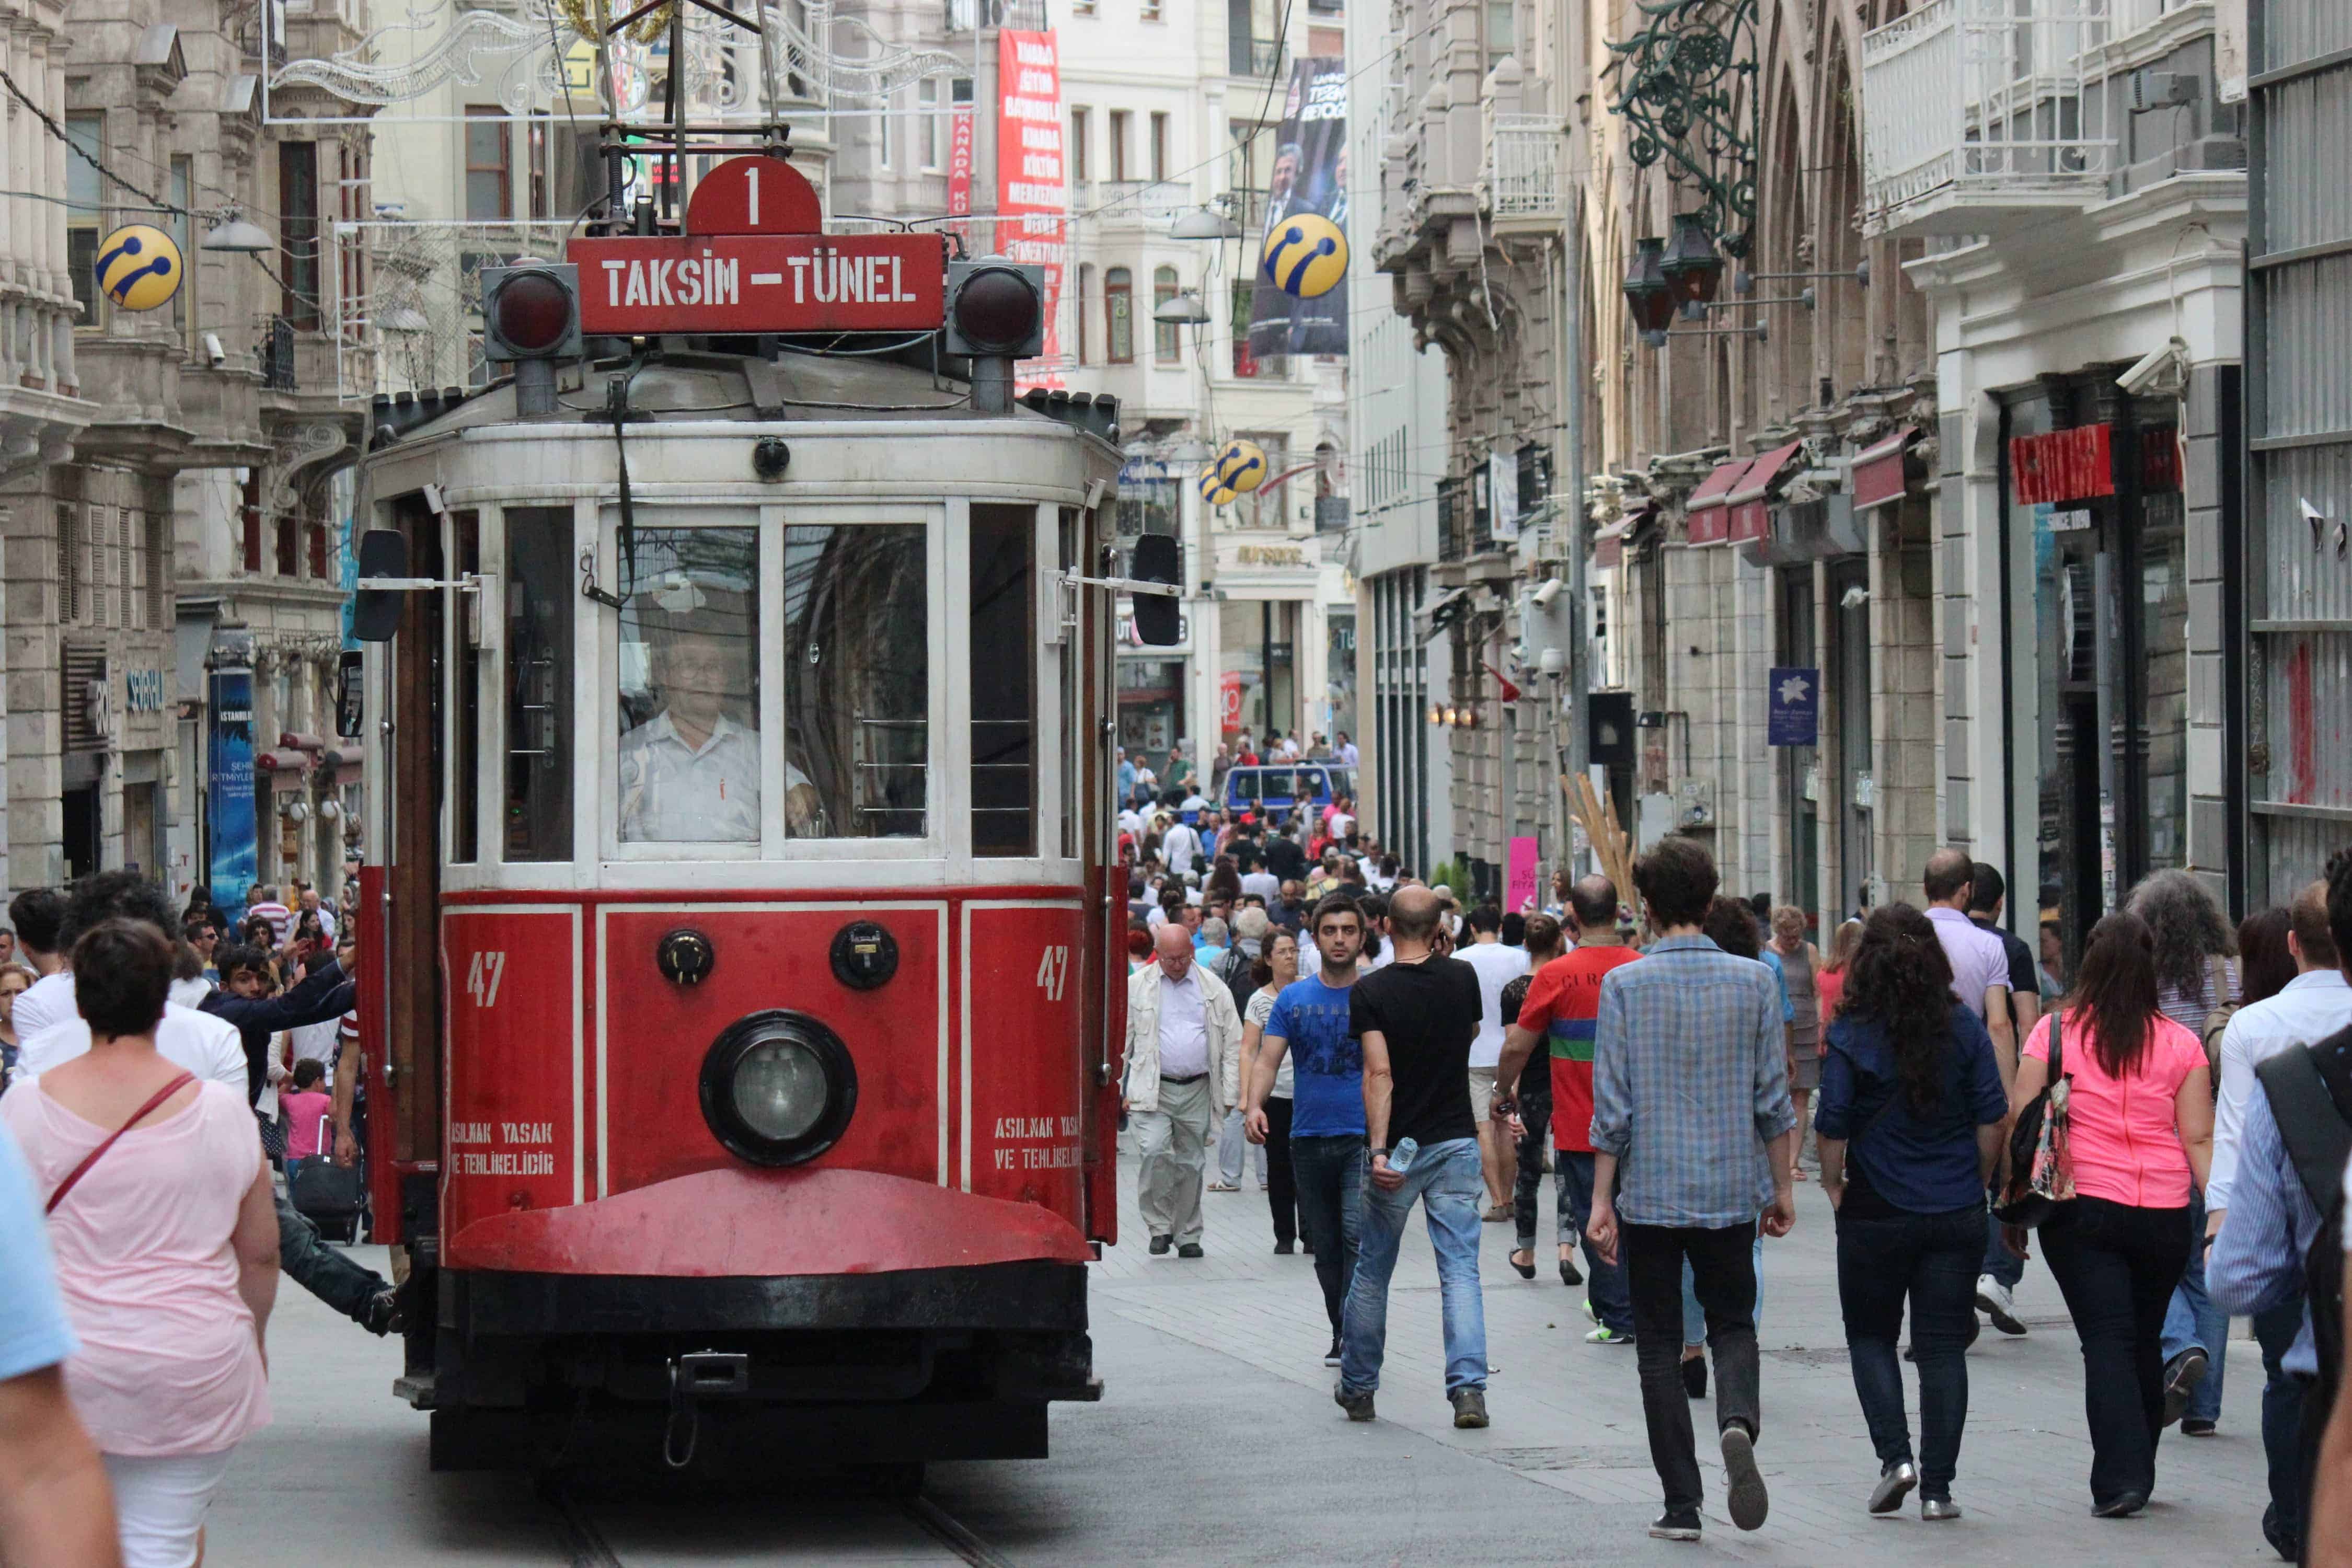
(1525, 172)
(1979, 122)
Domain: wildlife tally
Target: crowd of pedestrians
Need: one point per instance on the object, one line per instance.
(150, 1098)
(2165, 1122)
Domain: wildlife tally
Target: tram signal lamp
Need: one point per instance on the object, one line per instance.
(997, 309)
(530, 310)
(1159, 619)
(375, 612)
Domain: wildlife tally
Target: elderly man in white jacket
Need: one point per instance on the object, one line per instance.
(1183, 1069)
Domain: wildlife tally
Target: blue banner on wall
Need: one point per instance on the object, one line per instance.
(1792, 714)
(236, 849)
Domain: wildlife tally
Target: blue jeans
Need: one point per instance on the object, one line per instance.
(1329, 1174)
(2191, 1319)
(1694, 1320)
(2006, 1267)
(1613, 1302)
(2276, 1331)
(1929, 1261)
(1445, 1178)
(332, 1276)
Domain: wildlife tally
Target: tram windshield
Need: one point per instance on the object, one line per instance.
(690, 687)
(857, 680)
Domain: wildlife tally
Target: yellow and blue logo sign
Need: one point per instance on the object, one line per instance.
(1213, 490)
(1241, 467)
(1305, 255)
(139, 267)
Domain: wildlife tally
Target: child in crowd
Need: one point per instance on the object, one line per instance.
(308, 1111)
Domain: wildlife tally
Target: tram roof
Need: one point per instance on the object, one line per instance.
(678, 385)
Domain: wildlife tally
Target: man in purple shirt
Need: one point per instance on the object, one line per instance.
(1979, 961)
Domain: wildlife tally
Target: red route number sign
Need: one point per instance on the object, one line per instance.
(753, 260)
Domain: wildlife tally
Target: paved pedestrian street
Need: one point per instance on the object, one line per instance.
(1217, 1442)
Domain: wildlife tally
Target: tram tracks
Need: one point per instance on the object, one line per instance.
(586, 1546)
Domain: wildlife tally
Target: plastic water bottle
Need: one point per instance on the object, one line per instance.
(1401, 1157)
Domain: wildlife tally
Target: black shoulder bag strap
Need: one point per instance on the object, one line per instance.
(2310, 1092)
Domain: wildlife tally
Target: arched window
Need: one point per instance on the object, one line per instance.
(1167, 346)
(1118, 315)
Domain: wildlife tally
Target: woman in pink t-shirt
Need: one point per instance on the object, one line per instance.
(166, 1247)
(2140, 1114)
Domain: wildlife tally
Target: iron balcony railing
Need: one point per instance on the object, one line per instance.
(1525, 167)
(1977, 116)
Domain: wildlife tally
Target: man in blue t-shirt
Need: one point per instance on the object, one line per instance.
(1327, 1109)
(53, 1504)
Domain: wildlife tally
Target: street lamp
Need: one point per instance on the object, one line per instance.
(1183, 309)
(1204, 223)
(1648, 296)
(234, 235)
(1693, 269)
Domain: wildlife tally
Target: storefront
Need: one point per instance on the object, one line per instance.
(2094, 557)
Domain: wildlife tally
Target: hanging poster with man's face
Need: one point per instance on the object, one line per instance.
(1310, 175)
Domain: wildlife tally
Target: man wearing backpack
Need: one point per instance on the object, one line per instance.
(2278, 1202)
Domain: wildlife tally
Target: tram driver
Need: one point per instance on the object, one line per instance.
(691, 772)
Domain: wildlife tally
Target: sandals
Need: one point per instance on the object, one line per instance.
(1498, 1214)
(1223, 1187)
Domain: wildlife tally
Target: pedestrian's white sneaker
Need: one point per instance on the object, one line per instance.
(1995, 1301)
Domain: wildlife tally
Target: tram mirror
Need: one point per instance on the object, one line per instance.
(375, 612)
(1158, 619)
(348, 686)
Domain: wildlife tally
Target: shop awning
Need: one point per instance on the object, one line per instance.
(1609, 544)
(1438, 613)
(1748, 522)
(1709, 504)
(1878, 476)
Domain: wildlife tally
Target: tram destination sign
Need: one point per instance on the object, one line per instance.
(760, 283)
(755, 259)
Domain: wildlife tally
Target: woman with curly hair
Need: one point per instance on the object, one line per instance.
(1910, 1120)
(2140, 1130)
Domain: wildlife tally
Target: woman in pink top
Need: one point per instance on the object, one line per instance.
(166, 1249)
(2141, 1113)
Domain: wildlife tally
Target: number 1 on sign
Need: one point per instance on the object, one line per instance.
(482, 977)
(752, 178)
(1054, 972)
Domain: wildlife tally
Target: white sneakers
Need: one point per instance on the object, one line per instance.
(1994, 1300)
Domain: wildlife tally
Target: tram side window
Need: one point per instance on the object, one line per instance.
(857, 683)
(1003, 681)
(689, 676)
(465, 756)
(540, 595)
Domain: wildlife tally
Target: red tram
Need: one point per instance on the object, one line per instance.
(744, 946)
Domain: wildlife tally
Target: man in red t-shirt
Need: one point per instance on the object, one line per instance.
(1562, 1002)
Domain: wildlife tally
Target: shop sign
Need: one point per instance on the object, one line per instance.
(229, 781)
(1792, 715)
(143, 691)
(1229, 700)
(2065, 465)
(2069, 520)
(1270, 555)
(1520, 881)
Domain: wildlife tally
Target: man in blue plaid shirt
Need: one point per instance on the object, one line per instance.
(1694, 1135)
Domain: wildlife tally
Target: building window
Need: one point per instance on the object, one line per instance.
(159, 570)
(1085, 303)
(288, 542)
(1166, 344)
(1245, 364)
(249, 517)
(1076, 152)
(1502, 30)
(85, 138)
(539, 123)
(298, 231)
(1151, 10)
(317, 534)
(489, 165)
(71, 572)
(1119, 166)
(926, 131)
(1158, 146)
(1118, 315)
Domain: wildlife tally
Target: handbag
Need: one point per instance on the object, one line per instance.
(2040, 1185)
(92, 1158)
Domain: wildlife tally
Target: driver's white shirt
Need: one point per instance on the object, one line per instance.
(673, 793)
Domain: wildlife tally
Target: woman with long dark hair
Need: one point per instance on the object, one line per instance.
(2141, 1120)
(1910, 1118)
(1275, 967)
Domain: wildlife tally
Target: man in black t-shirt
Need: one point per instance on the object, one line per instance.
(1416, 1017)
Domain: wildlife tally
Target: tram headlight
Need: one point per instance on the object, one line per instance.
(777, 1088)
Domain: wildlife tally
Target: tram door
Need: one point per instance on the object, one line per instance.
(1088, 726)
(415, 691)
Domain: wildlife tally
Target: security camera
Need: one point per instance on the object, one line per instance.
(2161, 371)
(1546, 592)
(214, 355)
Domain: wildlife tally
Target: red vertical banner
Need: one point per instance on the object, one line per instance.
(1031, 197)
(960, 161)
